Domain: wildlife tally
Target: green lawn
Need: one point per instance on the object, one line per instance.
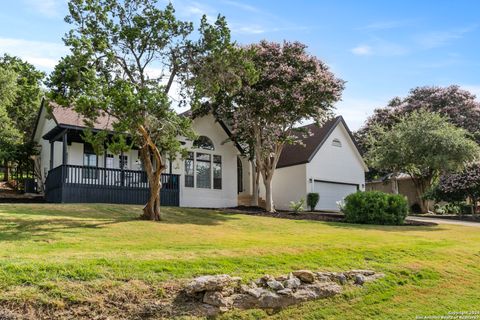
(58, 255)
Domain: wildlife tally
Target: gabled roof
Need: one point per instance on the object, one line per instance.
(295, 154)
(67, 116)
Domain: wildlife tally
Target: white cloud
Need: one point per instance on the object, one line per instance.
(362, 50)
(437, 39)
(43, 55)
(380, 47)
(355, 111)
(241, 5)
(48, 8)
(385, 25)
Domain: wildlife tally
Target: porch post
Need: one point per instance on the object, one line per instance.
(122, 173)
(52, 146)
(65, 143)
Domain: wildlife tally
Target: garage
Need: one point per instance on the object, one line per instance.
(331, 192)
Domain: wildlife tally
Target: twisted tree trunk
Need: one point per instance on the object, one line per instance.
(151, 211)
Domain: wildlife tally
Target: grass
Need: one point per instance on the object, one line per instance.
(58, 255)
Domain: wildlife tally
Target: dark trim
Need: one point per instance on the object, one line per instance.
(64, 148)
(292, 164)
(38, 119)
(229, 134)
(339, 182)
(59, 135)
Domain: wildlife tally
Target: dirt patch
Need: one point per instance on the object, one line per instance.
(132, 299)
(308, 215)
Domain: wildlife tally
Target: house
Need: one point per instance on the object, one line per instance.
(213, 175)
(401, 183)
(328, 163)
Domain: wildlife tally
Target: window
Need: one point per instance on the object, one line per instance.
(89, 160)
(204, 169)
(203, 142)
(109, 161)
(123, 161)
(217, 172)
(336, 142)
(189, 170)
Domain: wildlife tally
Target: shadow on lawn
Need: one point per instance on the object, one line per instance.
(387, 228)
(30, 221)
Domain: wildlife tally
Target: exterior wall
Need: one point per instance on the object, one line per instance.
(337, 164)
(75, 157)
(405, 187)
(288, 184)
(246, 176)
(210, 198)
(44, 126)
(331, 163)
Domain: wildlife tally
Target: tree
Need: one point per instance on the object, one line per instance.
(10, 137)
(457, 187)
(458, 106)
(422, 144)
(290, 86)
(23, 109)
(126, 55)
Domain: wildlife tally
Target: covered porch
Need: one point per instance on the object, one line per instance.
(97, 180)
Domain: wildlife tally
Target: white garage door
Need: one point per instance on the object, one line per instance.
(330, 193)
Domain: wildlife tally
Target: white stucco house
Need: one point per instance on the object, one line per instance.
(214, 175)
(329, 163)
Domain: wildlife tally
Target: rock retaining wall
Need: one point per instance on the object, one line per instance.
(222, 292)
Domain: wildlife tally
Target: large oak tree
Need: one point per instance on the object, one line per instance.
(125, 58)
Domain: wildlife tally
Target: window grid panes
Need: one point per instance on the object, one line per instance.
(217, 172)
(204, 169)
(189, 170)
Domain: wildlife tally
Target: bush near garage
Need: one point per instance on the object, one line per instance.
(375, 207)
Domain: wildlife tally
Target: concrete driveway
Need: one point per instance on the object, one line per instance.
(445, 221)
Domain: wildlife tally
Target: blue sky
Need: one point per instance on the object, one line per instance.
(381, 48)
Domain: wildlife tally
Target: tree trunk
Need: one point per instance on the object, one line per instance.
(151, 211)
(268, 195)
(255, 182)
(420, 186)
(6, 171)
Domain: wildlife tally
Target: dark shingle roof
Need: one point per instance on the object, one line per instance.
(68, 116)
(294, 154)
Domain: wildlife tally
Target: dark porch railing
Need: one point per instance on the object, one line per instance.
(80, 184)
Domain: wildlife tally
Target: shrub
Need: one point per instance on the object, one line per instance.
(375, 207)
(312, 200)
(297, 206)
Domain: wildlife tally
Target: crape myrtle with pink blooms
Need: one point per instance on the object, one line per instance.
(291, 86)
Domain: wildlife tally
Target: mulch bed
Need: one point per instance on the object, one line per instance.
(307, 215)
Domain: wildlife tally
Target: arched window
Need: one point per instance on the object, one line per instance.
(203, 142)
(336, 142)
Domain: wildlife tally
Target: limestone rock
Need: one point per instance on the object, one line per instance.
(256, 292)
(243, 301)
(275, 285)
(286, 291)
(306, 276)
(342, 279)
(359, 279)
(215, 298)
(324, 290)
(210, 283)
(292, 282)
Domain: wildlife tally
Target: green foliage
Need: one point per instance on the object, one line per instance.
(375, 207)
(448, 208)
(297, 206)
(421, 144)
(312, 200)
(25, 95)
